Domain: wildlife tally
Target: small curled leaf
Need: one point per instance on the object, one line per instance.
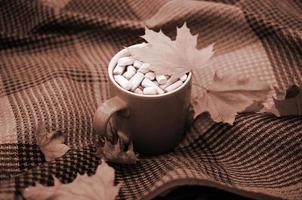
(116, 153)
(51, 143)
(289, 103)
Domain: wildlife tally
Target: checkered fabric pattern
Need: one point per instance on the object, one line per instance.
(53, 62)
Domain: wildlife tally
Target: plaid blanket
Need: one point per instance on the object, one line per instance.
(53, 62)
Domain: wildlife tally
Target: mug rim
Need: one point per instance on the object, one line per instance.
(125, 52)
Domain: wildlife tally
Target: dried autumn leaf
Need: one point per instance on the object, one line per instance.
(115, 153)
(231, 94)
(96, 187)
(169, 57)
(224, 98)
(51, 143)
(40, 192)
(289, 103)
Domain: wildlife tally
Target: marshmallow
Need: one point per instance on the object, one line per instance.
(137, 64)
(150, 76)
(124, 61)
(130, 72)
(144, 68)
(147, 83)
(130, 67)
(161, 79)
(138, 91)
(173, 86)
(118, 70)
(136, 80)
(183, 78)
(155, 82)
(123, 82)
(168, 83)
(150, 91)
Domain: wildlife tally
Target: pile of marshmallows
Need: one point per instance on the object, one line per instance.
(136, 76)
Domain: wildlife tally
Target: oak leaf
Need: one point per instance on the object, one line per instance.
(174, 58)
(95, 187)
(230, 94)
(51, 143)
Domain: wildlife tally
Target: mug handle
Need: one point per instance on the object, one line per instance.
(104, 113)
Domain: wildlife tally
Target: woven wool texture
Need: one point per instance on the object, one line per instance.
(53, 65)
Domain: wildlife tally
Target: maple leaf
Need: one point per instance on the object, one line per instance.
(174, 58)
(95, 187)
(230, 94)
(288, 103)
(224, 98)
(51, 143)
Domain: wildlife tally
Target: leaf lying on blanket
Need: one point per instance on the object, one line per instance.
(115, 153)
(231, 94)
(289, 103)
(51, 143)
(169, 57)
(96, 187)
